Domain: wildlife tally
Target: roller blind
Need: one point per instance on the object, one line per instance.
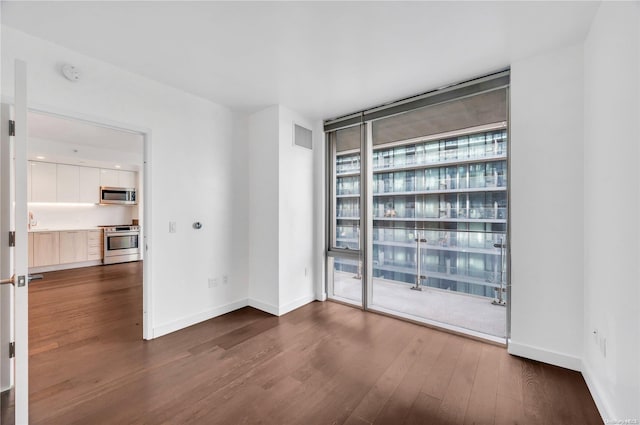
(474, 102)
(347, 138)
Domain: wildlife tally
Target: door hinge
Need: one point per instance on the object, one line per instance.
(12, 238)
(12, 128)
(12, 350)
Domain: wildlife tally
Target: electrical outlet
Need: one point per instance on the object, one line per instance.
(213, 282)
(225, 279)
(172, 227)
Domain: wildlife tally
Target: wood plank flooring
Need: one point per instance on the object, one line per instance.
(324, 363)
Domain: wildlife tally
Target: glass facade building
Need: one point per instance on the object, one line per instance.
(448, 195)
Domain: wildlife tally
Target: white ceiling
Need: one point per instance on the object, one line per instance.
(76, 132)
(323, 59)
(69, 141)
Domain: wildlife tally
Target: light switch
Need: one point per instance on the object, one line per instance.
(172, 227)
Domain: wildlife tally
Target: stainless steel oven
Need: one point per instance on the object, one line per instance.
(121, 244)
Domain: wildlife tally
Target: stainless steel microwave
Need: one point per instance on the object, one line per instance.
(117, 195)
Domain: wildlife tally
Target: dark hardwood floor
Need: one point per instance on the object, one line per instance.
(324, 363)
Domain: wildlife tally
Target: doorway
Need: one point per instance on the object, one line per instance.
(82, 149)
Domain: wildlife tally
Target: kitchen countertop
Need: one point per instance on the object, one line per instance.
(62, 229)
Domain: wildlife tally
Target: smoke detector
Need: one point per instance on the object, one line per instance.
(70, 72)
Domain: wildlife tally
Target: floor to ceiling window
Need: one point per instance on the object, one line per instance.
(345, 268)
(419, 222)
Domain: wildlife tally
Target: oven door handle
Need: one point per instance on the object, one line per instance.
(132, 233)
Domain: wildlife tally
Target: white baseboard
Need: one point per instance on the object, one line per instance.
(296, 304)
(269, 308)
(281, 310)
(187, 321)
(322, 297)
(603, 405)
(545, 356)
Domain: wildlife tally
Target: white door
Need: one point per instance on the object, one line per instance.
(14, 302)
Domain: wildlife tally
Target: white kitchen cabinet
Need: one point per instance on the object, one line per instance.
(127, 179)
(108, 177)
(117, 178)
(89, 186)
(46, 249)
(73, 246)
(48, 182)
(43, 182)
(68, 183)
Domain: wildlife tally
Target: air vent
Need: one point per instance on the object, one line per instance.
(302, 137)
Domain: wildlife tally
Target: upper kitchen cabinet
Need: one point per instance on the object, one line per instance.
(67, 179)
(49, 182)
(127, 179)
(44, 182)
(89, 187)
(109, 178)
(117, 178)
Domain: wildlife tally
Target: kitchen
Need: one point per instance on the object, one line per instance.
(84, 194)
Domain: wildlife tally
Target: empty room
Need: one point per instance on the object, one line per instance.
(420, 212)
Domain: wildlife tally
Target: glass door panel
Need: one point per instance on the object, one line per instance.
(345, 188)
(461, 276)
(440, 219)
(345, 280)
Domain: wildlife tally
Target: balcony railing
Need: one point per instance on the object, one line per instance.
(459, 239)
(471, 262)
(428, 161)
(348, 212)
(479, 146)
(410, 181)
(446, 213)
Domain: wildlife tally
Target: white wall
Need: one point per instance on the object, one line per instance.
(72, 216)
(546, 207)
(263, 165)
(191, 172)
(296, 219)
(612, 210)
(240, 206)
(282, 219)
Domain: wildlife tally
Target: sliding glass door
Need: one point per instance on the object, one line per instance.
(419, 222)
(439, 220)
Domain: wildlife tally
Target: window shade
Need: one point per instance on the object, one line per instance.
(459, 91)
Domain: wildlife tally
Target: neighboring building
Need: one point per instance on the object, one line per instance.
(448, 189)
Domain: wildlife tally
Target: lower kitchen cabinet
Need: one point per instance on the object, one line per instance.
(46, 248)
(94, 245)
(64, 247)
(73, 246)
